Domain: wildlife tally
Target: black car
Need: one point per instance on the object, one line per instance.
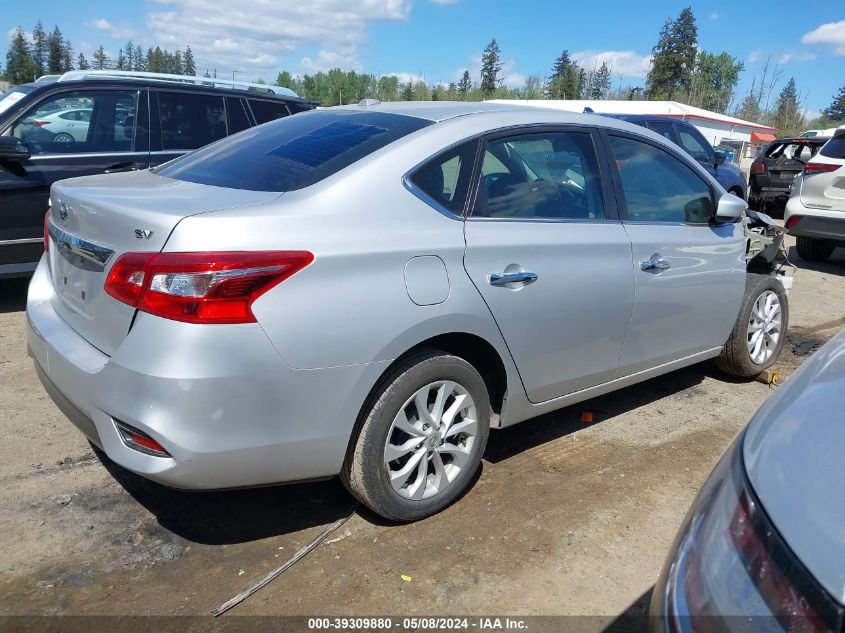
(776, 166)
(686, 136)
(89, 122)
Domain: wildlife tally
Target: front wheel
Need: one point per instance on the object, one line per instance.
(421, 439)
(759, 333)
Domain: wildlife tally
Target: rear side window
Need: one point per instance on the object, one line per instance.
(446, 178)
(265, 111)
(189, 121)
(658, 187)
(834, 148)
(294, 152)
(236, 115)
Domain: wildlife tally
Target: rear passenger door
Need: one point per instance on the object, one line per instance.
(546, 250)
(689, 271)
(185, 121)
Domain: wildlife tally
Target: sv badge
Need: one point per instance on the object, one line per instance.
(143, 234)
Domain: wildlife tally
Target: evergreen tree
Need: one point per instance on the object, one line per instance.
(600, 84)
(120, 64)
(283, 79)
(55, 52)
(749, 109)
(176, 63)
(464, 85)
(39, 47)
(82, 63)
(787, 109)
(129, 56)
(190, 66)
(150, 63)
(491, 66)
(20, 68)
(407, 92)
(673, 58)
(67, 56)
(566, 80)
(836, 110)
(101, 60)
(139, 59)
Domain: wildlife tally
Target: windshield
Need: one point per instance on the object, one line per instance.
(11, 97)
(292, 153)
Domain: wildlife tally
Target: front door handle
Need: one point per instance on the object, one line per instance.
(118, 167)
(655, 264)
(503, 279)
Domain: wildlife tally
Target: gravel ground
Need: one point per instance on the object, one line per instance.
(565, 517)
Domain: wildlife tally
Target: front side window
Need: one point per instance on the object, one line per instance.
(189, 121)
(658, 187)
(293, 152)
(694, 146)
(551, 175)
(80, 121)
(445, 178)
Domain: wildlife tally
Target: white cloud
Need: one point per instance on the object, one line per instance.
(442, 2)
(624, 63)
(832, 33)
(109, 29)
(753, 57)
(405, 77)
(255, 37)
(714, 16)
(803, 56)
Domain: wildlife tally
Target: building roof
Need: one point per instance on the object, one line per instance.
(654, 108)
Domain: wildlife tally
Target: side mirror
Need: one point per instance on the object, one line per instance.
(730, 208)
(718, 158)
(12, 148)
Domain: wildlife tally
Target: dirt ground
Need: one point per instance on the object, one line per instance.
(565, 517)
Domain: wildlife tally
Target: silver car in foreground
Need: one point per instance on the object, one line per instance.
(763, 546)
(367, 290)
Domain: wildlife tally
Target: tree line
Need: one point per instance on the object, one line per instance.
(52, 54)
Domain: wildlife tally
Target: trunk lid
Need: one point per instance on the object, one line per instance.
(96, 219)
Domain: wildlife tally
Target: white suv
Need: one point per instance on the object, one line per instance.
(815, 213)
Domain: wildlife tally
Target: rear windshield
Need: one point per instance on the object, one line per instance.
(293, 152)
(802, 150)
(835, 147)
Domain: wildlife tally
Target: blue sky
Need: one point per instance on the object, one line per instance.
(438, 39)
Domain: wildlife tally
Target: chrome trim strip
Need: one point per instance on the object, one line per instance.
(25, 240)
(68, 243)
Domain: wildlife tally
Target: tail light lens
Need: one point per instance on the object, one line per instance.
(819, 168)
(40, 123)
(201, 287)
(47, 230)
(757, 167)
(792, 221)
(138, 440)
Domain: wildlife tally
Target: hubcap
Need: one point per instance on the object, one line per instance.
(430, 440)
(764, 327)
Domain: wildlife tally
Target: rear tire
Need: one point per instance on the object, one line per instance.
(435, 453)
(759, 333)
(812, 250)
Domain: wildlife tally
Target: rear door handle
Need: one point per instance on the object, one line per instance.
(503, 279)
(655, 264)
(117, 167)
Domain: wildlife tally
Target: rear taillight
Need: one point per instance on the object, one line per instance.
(201, 287)
(40, 123)
(792, 221)
(819, 168)
(138, 440)
(47, 230)
(757, 167)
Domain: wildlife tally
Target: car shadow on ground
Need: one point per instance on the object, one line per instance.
(236, 516)
(635, 618)
(834, 266)
(13, 294)
(512, 440)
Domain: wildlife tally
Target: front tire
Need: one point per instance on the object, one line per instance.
(812, 250)
(759, 333)
(421, 437)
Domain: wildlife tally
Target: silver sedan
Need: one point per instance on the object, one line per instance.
(368, 290)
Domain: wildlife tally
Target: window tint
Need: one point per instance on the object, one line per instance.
(834, 148)
(236, 115)
(299, 106)
(293, 152)
(664, 128)
(658, 187)
(265, 111)
(551, 175)
(80, 121)
(189, 120)
(695, 146)
(446, 178)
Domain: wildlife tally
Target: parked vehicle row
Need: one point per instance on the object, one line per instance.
(92, 122)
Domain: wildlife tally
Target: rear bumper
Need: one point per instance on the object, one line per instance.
(815, 223)
(218, 398)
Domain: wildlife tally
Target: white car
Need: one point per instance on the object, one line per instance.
(67, 125)
(815, 213)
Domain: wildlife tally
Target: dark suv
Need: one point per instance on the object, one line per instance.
(776, 166)
(687, 137)
(89, 122)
